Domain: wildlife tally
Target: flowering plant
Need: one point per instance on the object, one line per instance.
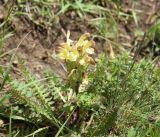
(77, 56)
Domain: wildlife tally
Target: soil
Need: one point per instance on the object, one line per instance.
(37, 47)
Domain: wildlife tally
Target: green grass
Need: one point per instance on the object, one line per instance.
(117, 98)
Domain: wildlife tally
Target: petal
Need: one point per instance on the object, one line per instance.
(82, 39)
(68, 34)
(91, 60)
(88, 44)
(72, 56)
(68, 40)
(62, 56)
(82, 62)
(67, 46)
(90, 50)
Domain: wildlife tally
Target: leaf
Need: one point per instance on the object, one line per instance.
(131, 132)
(106, 123)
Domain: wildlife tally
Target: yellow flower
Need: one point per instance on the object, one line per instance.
(82, 39)
(79, 52)
(87, 47)
(90, 50)
(67, 52)
(84, 45)
(73, 55)
(86, 60)
(64, 51)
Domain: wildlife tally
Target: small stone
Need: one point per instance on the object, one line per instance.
(15, 63)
